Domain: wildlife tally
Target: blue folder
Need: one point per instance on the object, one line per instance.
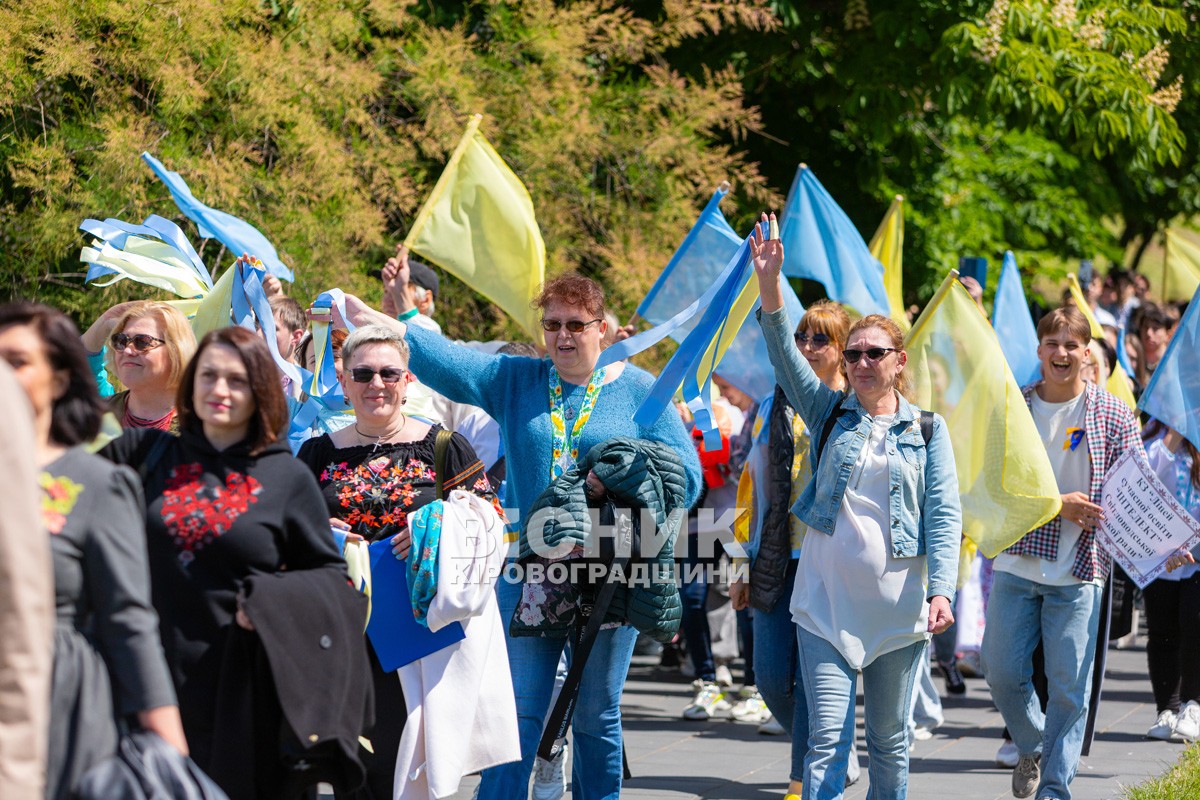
(395, 634)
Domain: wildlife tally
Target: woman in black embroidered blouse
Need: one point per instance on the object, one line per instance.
(373, 474)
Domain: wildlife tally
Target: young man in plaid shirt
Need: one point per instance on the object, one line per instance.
(1048, 585)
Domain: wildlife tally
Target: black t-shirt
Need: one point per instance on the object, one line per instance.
(373, 488)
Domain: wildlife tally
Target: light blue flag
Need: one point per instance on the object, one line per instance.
(821, 243)
(692, 271)
(1014, 325)
(236, 234)
(1173, 394)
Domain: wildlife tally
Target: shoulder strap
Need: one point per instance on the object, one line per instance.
(440, 446)
(830, 421)
(152, 455)
(927, 426)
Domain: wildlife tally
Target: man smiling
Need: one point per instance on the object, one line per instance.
(1048, 585)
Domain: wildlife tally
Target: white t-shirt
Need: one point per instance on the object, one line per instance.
(850, 590)
(1061, 428)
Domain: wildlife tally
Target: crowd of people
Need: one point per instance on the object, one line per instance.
(198, 580)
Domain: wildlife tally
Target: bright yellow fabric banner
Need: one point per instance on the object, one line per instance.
(1180, 273)
(478, 224)
(959, 371)
(887, 245)
(1118, 379)
(216, 308)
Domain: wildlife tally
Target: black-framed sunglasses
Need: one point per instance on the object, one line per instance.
(872, 354)
(572, 325)
(388, 375)
(142, 342)
(819, 341)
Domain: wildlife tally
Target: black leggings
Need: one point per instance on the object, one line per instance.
(1173, 640)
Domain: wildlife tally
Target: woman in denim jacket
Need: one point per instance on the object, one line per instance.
(876, 574)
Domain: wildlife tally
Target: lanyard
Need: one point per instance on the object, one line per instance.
(566, 445)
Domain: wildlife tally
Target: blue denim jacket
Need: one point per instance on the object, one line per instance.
(926, 516)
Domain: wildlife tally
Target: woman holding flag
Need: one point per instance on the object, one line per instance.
(877, 572)
(551, 411)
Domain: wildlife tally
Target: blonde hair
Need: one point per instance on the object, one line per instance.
(177, 333)
(889, 327)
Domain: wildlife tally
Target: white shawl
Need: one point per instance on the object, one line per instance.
(462, 717)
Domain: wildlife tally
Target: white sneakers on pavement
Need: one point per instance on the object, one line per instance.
(1007, 755)
(709, 699)
(1187, 725)
(1164, 726)
(771, 728)
(550, 777)
(750, 707)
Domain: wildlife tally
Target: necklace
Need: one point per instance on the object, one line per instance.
(378, 440)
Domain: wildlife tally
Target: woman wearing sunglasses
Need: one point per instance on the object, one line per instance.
(145, 347)
(550, 412)
(776, 472)
(373, 474)
(877, 572)
(232, 520)
(108, 662)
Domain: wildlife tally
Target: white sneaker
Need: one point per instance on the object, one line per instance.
(922, 733)
(771, 728)
(708, 700)
(750, 707)
(1007, 756)
(724, 676)
(1187, 726)
(1164, 726)
(550, 777)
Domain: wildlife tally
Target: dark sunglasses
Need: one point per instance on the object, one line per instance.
(387, 374)
(819, 340)
(142, 342)
(873, 354)
(573, 325)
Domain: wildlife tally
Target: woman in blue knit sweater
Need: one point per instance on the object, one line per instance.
(550, 410)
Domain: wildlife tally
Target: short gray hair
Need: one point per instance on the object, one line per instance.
(374, 334)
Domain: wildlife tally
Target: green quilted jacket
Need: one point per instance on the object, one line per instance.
(639, 474)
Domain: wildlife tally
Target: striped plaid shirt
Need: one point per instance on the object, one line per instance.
(1111, 429)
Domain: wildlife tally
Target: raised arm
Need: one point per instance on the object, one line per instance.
(811, 398)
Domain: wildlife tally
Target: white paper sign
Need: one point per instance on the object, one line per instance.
(1143, 522)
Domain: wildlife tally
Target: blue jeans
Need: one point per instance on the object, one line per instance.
(829, 686)
(596, 726)
(1064, 618)
(777, 670)
(693, 594)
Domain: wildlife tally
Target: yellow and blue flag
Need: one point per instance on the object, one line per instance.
(1118, 379)
(478, 224)
(959, 371)
(1173, 394)
(823, 245)
(1014, 324)
(887, 246)
(695, 265)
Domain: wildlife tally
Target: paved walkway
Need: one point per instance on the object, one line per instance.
(724, 760)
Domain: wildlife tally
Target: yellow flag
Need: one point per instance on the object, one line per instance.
(1180, 273)
(958, 370)
(478, 224)
(887, 245)
(1118, 379)
(216, 308)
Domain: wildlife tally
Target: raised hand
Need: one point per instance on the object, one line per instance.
(766, 252)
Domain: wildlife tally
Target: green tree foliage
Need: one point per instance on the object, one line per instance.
(326, 123)
(1019, 124)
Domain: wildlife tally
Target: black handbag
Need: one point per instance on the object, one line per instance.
(147, 768)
